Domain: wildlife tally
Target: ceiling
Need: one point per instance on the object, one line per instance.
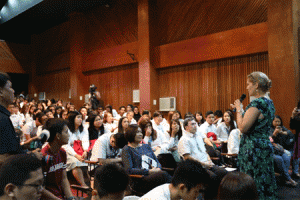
(41, 16)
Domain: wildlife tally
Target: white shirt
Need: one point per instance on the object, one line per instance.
(234, 141)
(159, 127)
(192, 144)
(222, 132)
(133, 121)
(108, 127)
(103, 149)
(83, 136)
(160, 141)
(161, 192)
(16, 120)
(205, 128)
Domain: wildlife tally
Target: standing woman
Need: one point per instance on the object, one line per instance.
(295, 124)
(256, 154)
(77, 146)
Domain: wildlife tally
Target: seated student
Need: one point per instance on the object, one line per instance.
(189, 180)
(110, 126)
(191, 146)
(130, 118)
(123, 125)
(56, 181)
(49, 114)
(225, 127)
(111, 181)
(137, 114)
(96, 128)
(21, 177)
(139, 159)
(237, 186)
(218, 117)
(157, 122)
(108, 148)
(16, 118)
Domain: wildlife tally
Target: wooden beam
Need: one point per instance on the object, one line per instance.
(111, 57)
(237, 42)
(283, 41)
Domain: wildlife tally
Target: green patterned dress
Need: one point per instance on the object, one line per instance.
(256, 153)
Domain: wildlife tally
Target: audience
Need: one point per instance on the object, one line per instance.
(225, 127)
(110, 126)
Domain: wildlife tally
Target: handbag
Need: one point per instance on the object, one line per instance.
(77, 146)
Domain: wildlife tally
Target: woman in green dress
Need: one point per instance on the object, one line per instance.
(256, 153)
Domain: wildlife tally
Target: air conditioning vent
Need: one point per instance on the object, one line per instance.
(167, 104)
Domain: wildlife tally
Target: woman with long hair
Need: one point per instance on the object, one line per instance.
(110, 125)
(123, 125)
(225, 127)
(96, 127)
(77, 146)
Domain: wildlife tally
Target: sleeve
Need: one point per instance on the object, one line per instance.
(233, 142)
(183, 147)
(85, 139)
(219, 132)
(129, 165)
(203, 130)
(99, 150)
(165, 144)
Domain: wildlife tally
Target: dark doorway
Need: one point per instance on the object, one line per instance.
(19, 83)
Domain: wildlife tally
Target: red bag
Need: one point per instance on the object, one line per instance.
(77, 146)
(92, 142)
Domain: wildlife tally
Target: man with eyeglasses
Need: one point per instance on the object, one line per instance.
(21, 178)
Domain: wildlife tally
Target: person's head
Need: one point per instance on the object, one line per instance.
(11, 107)
(122, 110)
(16, 109)
(190, 179)
(228, 118)
(218, 114)
(237, 185)
(157, 117)
(58, 110)
(75, 121)
(64, 114)
(108, 118)
(188, 115)
(190, 125)
(146, 124)
(40, 118)
(21, 177)
(117, 141)
(108, 108)
(210, 117)
(176, 115)
(134, 134)
(40, 106)
(136, 110)
(48, 102)
(49, 114)
(130, 115)
(199, 118)
(71, 107)
(6, 90)
(111, 181)
(96, 121)
(258, 83)
(146, 112)
(58, 130)
(123, 124)
(100, 110)
(25, 109)
(176, 124)
(277, 121)
(59, 102)
(83, 112)
(129, 107)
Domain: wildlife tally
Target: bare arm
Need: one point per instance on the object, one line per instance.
(66, 185)
(251, 115)
(48, 195)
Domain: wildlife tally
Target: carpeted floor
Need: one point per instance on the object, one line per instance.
(289, 193)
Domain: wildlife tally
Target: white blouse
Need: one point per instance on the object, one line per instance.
(234, 141)
(83, 136)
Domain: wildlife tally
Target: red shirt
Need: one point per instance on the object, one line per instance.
(55, 171)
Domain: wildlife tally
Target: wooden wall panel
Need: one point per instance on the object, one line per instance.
(210, 85)
(116, 84)
(113, 26)
(56, 85)
(181, 20)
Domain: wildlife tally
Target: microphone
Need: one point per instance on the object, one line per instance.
(241, 100)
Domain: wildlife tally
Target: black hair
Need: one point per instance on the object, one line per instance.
(231, 123)
(218, 113)
(179, 133)
(277, 116)
(39, 116)
(186, 121)
(120, 140)
(122, 107)
(110, 108)
(145, 112)
(209, 113)
(131, 132)
(120, 127)
(190, 173)
(238, 186)
(130, 106)
(110, 179)
(93, 132)
(156, 114)
(16, 169)
(202, 120)
(177, 111)
(71, 121)
(54, 126)
(143, 124)
(4, 77)
(188, 115)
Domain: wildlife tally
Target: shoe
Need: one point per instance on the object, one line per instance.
(291, 183)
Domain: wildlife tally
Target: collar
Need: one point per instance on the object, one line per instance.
(4, 110)
(190, 135)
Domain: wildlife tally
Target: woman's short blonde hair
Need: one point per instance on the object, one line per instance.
(264, 83)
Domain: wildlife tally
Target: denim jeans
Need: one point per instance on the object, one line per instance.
(282, 163)
(295, 163)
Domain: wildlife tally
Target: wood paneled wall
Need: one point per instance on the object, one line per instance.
(210, 85)
(181, 20)
(116, 84)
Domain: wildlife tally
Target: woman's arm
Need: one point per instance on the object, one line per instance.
(251, 115)
(128, 163)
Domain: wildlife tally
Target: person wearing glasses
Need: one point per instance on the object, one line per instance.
(21, 177)
(189, 180)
